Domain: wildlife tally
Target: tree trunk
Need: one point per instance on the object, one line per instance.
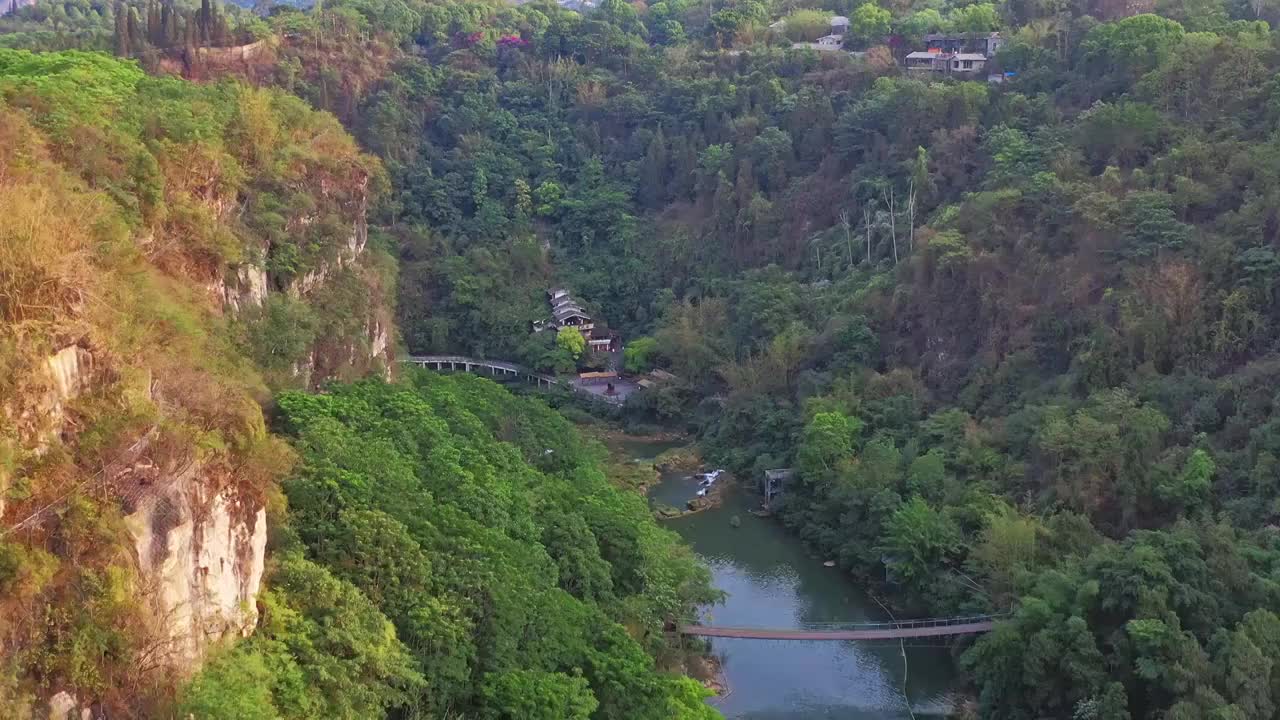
(848, 237)
(891, 202)
(866, 221)
(911, 218)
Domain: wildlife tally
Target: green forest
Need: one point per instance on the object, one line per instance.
(1017, 334)
(451, 550)
(1018, 338)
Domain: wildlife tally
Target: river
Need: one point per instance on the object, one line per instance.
(773, 581)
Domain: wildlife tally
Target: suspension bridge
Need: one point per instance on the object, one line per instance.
(930, 627)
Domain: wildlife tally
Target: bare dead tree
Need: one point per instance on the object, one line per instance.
(866, 222)
(848, 237)
(911, 215)
(891, 201)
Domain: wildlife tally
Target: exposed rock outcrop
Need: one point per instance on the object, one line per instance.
(67, 374)
(380, 344)
(200, 546)
(334, 356)
(65, 706)
(36, 418)
(244, 287)
(348, 253)
(201, 554)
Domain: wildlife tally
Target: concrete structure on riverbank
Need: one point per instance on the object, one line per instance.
(773, 483)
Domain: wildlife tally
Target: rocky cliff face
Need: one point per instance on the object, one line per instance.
(59, 378)
(197, 539)
(201, 552)
(243, 287)
(66, 374)
(332, 355)
(200, 544)
(134, 456)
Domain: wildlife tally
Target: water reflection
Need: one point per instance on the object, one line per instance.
(771, 581)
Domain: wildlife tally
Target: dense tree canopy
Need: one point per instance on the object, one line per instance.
(479, 561)
(1018, 338)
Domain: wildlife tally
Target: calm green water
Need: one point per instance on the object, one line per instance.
(772, 581)
(640, 448)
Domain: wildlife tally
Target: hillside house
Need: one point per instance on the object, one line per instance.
(572, 316)
(985, 44)
(839, 25)
(923, 61)
(945, 63)
(566, 312)
(967, 63)
(830, 42)
(826, 43)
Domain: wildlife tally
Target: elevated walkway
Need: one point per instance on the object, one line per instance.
(499, 368)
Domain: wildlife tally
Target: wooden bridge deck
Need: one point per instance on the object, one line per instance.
(874, 633)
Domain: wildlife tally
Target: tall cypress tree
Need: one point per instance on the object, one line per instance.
(155, 31)
(169, 21)
(652, 188)
(189, 31)
(220, 31)
(122, 30)
(205, 21)
(137, 37)
(189, 40)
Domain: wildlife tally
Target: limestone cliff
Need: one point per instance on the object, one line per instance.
(199, 541)
(347, 347)
(141, 331)
(201, 552)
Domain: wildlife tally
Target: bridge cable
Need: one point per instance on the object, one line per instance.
(902, 647)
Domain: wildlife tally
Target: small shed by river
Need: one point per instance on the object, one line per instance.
(773, 483)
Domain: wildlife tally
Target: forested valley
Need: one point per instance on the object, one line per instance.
(182, 265)
(1018, 337)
